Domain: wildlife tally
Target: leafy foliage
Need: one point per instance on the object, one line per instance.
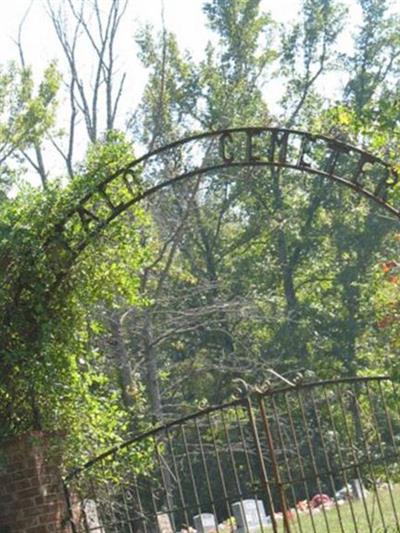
(221, 277)
(53, 374)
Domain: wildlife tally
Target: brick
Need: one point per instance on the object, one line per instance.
(49, 519)
(23, 523)
(37, 529)
(27, 493)
(22, 484)
(35, 510)
(23, 503)
(31, 492)
(25, 473)
(6, 518)
(7, 499)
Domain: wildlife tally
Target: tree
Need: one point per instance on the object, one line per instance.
(215, 278)
(310, 261)
(25, 117)
(53, 371)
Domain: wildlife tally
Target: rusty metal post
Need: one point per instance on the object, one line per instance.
(263, 472)
(274, 462)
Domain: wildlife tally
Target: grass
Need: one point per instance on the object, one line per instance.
(353, 516)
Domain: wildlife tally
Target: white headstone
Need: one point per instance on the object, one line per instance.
(164, 523)
(358, 489)
(205, 522)
(92, 517)
(250, 515)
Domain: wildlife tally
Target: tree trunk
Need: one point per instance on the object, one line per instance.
(123, 362)
(152, 381)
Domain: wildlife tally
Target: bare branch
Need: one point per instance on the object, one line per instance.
(19, 37)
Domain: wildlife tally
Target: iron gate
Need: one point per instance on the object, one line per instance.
(321, 456)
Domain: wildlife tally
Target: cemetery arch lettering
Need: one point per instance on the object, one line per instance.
(214, 151)
(210, 152)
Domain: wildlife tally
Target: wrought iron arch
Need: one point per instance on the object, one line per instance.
(213, 151)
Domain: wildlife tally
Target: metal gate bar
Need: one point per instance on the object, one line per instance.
(320, 457)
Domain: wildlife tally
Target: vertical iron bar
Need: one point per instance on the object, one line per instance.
(114, 519)
(204, 463)
(388, 420)
(153, 489)
(378, 434)
(193, 482)
(233, 463)
(326, 456)
(300, 461)
(220, 469)
(340, 457)
(178, 479)
(69, 507)
(249, 468)
(355, 459)
(396, 394)
(95, 497)
(368, 453)
(287, 466)
(275, 466)
(263, 473)
(394, 444)
(127, 511)
(237, 482)
(165, 483)
(154, 504)
(139, 502)
(246, 450)
(310, 448)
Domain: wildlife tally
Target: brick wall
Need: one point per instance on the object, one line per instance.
(31, 492)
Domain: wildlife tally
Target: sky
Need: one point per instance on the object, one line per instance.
(183, 17)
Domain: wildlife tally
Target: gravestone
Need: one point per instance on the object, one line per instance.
(205, 522)
(250, 515)
(358, 489)
(164, 523)
(92, 517)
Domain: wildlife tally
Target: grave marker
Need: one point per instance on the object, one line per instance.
(92, 517)
(205, 522)
(250, 515)
(164, 523)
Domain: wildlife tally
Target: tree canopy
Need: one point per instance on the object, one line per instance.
(220, 277)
